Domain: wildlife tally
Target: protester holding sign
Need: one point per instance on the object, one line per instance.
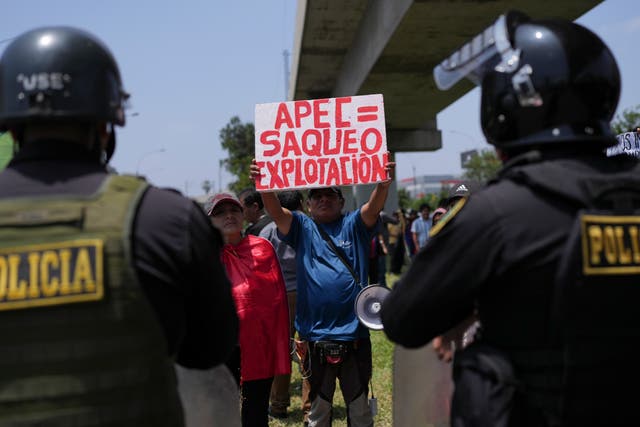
(332, 256)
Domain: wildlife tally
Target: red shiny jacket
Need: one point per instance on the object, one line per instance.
(259, 293)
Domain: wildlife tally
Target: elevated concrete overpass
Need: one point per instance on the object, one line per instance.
(357, 47)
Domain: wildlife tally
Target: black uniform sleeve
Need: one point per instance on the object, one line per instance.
(177, 258)
(441, 285)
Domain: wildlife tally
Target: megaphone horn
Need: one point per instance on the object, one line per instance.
(368, 305)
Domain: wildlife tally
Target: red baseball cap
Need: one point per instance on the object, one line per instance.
(222, 197)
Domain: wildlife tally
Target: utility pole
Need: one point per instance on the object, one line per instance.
(220, 164)
(415, 182)
(285, 53)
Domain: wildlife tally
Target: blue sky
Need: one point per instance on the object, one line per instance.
(192, 65)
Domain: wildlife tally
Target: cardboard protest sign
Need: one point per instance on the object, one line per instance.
(628, 143)
(321, 142)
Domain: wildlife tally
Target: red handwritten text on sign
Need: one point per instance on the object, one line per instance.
(321, 142)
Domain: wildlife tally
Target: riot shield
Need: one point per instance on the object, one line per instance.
(422, 388)
(209, 397)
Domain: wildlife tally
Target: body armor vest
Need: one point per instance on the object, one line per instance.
(81, 346)
(585, 377)
(595, 306)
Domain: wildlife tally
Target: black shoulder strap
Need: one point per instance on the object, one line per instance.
(338, 252)
(619, 192)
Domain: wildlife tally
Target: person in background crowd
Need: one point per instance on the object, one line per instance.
(549, 290)
(396, 242)
(280, 396)
(253, 210)
(410, 216)
(420, 227)
(259, 292)
(332, 253)
(383, 246)
(113, 279)
(437, 214)
(378, 251)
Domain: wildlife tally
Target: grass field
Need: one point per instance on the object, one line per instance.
(382, 350)
(382, 379)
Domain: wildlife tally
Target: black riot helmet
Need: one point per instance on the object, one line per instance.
(60, 74)
(543, 82)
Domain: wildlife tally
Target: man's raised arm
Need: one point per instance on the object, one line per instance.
(375, 204)
(281, 216)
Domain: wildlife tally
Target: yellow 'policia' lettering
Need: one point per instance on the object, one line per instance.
(635, 247)
(51, 274)
(83, 273)
(34, 291)
(15, 290)
(610, 244)
(65, 257)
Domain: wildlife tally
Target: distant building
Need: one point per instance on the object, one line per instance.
(422, 185)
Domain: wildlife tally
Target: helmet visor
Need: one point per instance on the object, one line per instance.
(489, 50)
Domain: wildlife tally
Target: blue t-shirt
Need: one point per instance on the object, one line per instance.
(326, 289)
(421, 227)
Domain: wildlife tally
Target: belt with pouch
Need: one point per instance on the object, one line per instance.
(333, 352)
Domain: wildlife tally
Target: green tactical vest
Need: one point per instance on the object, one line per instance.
(79, 343)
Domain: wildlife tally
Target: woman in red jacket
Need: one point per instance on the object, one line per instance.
(259, 293)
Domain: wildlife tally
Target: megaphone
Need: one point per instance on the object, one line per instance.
(368, 305)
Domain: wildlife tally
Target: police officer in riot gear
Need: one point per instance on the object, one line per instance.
(549, 251)
(105, 281)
